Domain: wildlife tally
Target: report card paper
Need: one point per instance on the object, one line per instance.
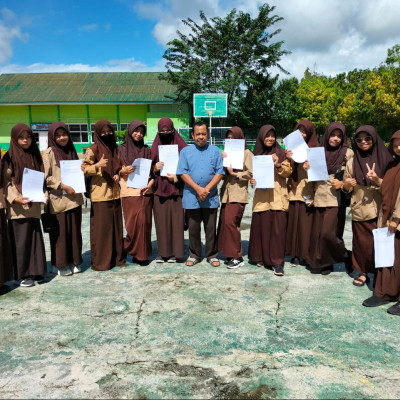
(234, 150)
(32, 185)
(72, 175)
(169, 155)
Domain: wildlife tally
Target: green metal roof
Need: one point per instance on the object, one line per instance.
(85, 88)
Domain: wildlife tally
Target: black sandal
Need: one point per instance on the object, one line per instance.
(360, 282)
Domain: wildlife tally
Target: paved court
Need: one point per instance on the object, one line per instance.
(171, 331)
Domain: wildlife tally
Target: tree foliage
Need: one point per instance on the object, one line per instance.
(230, 55)
(355, 98)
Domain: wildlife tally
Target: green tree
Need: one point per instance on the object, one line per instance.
(230, 55)
(284, 106)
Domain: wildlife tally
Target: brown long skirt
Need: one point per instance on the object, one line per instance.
(298, 235)
(387, 281)
(267, 237)
(363, 246)
(169, 220)
(325, 247)
(6, 258)
(137, 214)
(106, 235)
(229, 239)
(27, 246)
(66, 238)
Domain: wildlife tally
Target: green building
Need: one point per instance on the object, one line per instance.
(81, 99)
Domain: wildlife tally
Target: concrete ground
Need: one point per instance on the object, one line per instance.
(170, 331)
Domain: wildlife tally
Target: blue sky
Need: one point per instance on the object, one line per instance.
(329, 36)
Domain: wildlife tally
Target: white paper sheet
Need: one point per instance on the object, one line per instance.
(318, 170)
(296, 143)
(32, 185)
(234, 150)
(169, 155)
(72, 175)
(139, 178)
(263, 172)
(43, 141)
(383, 247)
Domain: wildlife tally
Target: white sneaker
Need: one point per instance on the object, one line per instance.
(76, 269)
(66, 271)
(235, 263)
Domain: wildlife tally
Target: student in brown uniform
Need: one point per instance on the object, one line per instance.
(137, 204)
(300, 203)
(106, 231)
(6, 259)
(234, 197)
(168, 211)
(23, 215)
(387, 282)
(270, 206)
(326, 247)
(65, 204)
(362, 177)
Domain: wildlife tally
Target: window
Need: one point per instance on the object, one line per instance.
(79, 133)
(124, 127)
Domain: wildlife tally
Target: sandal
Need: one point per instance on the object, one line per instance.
(191, 261)
(360, 282)
(214, 262)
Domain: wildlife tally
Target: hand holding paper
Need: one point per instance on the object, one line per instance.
(383, 247)
(297, 145)
(263, 172)
(140, 176)
(72, 175)
(32, 185)
(234, 150)
(169, 155)
(318, 170)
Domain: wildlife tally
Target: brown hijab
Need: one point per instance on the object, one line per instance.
(260, 149)
(378, 154)
(334, 155)
(18, 158)
(130, 150)
(311, 140)
(163, 186)
(108, 148)
(67, 152)
(391, 183)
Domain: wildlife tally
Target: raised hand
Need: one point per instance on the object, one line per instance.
(103, 162)
(371, 174)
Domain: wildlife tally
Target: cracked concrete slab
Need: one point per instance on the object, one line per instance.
(171, 331)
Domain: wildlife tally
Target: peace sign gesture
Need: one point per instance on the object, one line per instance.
(371, 174)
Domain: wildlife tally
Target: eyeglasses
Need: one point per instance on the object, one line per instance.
(366, 139)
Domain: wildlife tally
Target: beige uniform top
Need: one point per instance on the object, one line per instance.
(58, 201)
(365, 200)
(16, 210)
(100, 189)
(304, 188)
(276, 198)
(235, 189)
(325, 194)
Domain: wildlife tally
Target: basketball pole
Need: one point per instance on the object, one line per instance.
(209, 124)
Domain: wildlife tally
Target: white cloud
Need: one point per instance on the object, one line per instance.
(88, 27)
(9, 31)
(330, 36)
(124, 65)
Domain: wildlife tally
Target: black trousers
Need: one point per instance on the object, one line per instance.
(209, 218)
